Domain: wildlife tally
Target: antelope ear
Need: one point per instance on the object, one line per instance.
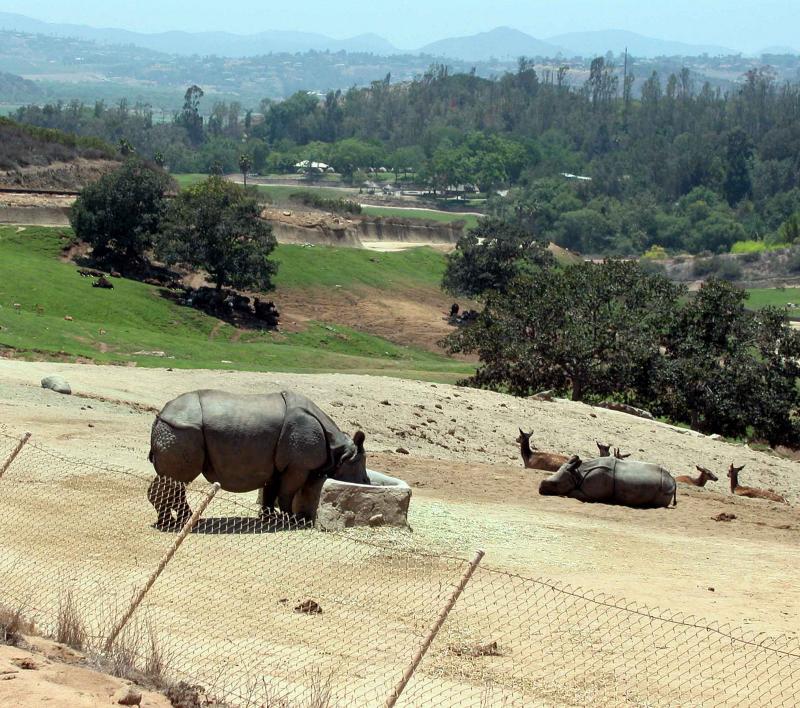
(521, 432)
(358, 439)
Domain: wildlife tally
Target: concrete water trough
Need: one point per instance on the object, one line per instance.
(382, 503)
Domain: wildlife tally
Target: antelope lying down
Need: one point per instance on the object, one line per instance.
(699, 481)
(751, 492)
(535, 459)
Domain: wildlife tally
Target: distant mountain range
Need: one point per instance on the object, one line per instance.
(598, 43)
(499, 43)
(502, 43)
(205, 43)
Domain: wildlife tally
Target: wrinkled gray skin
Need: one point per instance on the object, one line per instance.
(612, 481)
(279, 442)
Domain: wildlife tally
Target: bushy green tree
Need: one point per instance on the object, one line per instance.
(726, 369)
(216, 226)
(590, 329)
(120, 214)
(490, 256)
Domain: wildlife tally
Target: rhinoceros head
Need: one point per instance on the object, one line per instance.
(350, 460)
(564, 481)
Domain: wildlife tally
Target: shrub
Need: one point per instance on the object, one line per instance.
(339, 206)
(703, 267)
(729, 270)
(793, 264)
(655, 253)
(749, 247)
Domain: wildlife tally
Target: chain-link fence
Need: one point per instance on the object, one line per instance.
(262, 611)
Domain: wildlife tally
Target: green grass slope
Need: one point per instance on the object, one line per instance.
(775, 297)
(133, 321)
(329, 266)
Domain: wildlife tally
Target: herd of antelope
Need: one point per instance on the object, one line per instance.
(535, 459)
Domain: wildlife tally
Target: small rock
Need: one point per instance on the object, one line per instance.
(439, 406)
(593, 415)
(711, 590)
(128, 696)
(403, 451)
(68, 318)
(91, 425)
(57, 384)
(715, 436)
(309, 607)
(724, 517)
(376, 520)
(385, 403)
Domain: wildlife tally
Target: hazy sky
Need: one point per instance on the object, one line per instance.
(748, 25)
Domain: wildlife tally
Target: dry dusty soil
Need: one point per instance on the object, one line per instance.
(470, 490)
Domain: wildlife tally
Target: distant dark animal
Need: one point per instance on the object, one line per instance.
(103, 282)
(91, 273)
(167, 497)
(281, 443)
(533, 459)
(700, 481)
(454, 308)
(751, 492)
(611, 481)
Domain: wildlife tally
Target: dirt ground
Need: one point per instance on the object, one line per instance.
(41, 672)
(417, 319)
(470, 490)
(463, 455)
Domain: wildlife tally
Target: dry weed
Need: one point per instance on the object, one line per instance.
(12, 626)
(70, 629)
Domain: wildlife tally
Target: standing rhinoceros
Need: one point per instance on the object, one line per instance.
(281, 443)
(612, 481)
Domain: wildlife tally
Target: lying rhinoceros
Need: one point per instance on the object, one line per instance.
(612, 481)
(281, 443)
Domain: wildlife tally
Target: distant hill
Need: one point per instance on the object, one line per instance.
(204, 43)
(14, 88)
(780, 50)
(25, 146)
(597, 43)
(499, 43)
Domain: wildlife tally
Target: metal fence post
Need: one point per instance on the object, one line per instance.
(14, 453)
(185, 531)
(433, 631)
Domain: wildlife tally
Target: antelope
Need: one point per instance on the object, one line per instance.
(751, 492)
(699, 481)
(535, 460)
(605, 451)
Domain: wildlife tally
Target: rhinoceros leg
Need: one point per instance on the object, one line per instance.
(302, 448)
(269, 495)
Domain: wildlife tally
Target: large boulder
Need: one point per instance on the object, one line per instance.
(57, 384)
(383, 503)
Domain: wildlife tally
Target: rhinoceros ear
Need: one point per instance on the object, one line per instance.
(358, 439)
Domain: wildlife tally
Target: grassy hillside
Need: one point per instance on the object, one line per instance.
(24, 145)
(349, 267)
(134, 321)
